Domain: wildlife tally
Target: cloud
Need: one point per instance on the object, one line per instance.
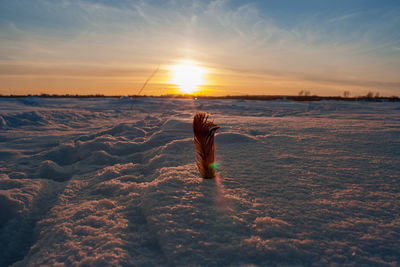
(72, 70)
(344, 17)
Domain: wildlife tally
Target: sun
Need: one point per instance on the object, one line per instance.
(188, 76)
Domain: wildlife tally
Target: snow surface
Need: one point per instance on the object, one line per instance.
(92, 182)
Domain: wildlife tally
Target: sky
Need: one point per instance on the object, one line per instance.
(257, 47)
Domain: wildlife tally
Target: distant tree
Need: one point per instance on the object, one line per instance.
(346, 93)
(370, 94)
(377, 95)
(304, 93)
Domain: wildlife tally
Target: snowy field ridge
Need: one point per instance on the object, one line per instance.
(92, 182)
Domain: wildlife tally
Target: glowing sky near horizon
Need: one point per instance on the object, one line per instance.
(246, 47)
(188, 76)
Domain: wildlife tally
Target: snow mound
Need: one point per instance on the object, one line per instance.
(50, 170)
(23, 119)
(16, 196)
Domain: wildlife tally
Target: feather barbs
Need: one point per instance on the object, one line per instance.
(204, 132)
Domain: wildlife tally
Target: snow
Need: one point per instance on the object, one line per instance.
(109, 182)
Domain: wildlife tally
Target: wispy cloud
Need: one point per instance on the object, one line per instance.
(344, 17)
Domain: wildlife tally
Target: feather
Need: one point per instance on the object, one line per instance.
(204, 132)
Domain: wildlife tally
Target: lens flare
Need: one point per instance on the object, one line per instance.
(222, 202)
(214, 165)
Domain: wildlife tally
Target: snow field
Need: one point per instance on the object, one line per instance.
(90, 182)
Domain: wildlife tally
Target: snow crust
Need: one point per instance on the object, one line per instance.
(94, 182)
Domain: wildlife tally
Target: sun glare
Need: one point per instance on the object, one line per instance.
(188, 76)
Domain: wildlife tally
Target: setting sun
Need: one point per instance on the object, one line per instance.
(188, 76)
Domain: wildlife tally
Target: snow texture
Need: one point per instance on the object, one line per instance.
(94, 182)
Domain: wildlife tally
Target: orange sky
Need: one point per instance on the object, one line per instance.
(113, 81)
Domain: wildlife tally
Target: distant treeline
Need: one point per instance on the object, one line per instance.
(237, 97)
(296, 98)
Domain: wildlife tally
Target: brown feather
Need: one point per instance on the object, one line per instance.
(204, 132)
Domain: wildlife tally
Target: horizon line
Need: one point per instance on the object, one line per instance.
(370, 96)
